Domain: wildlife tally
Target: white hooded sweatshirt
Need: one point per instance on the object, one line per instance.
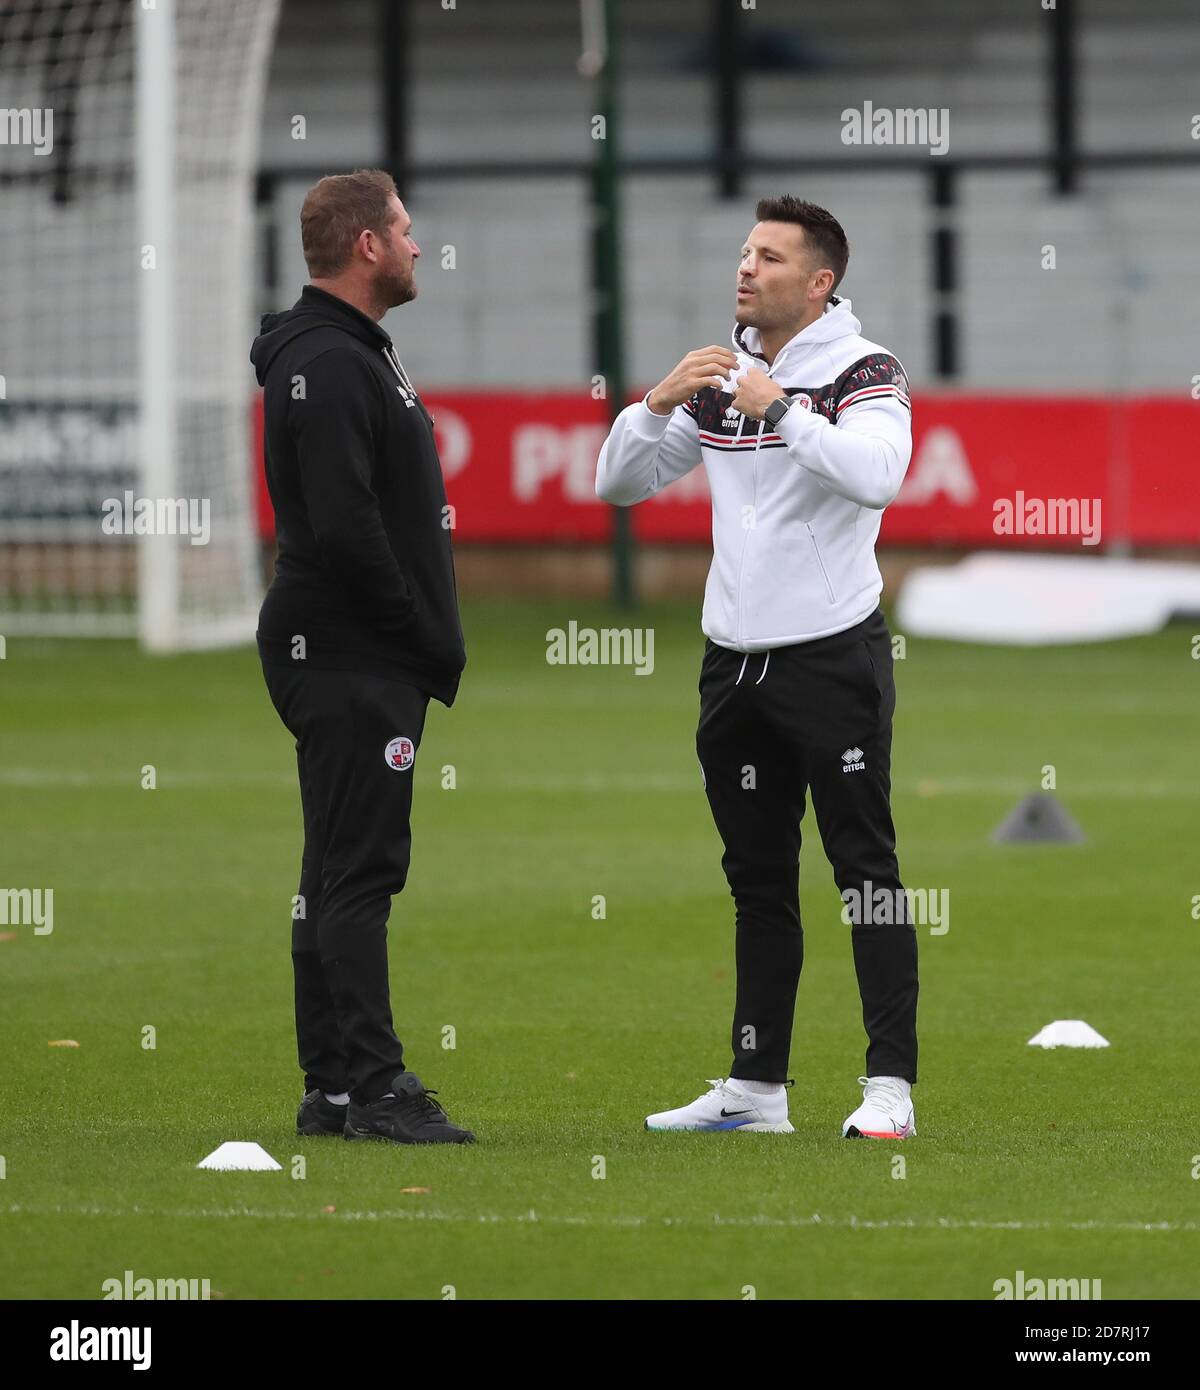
(796, 511)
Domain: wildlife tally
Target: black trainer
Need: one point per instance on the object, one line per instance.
(320, 1116)
(409, 1116)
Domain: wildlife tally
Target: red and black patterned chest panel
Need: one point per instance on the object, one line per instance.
(723, 427)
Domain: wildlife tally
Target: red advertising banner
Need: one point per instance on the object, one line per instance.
(521, 467)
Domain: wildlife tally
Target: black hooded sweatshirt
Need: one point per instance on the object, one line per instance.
(365, 570)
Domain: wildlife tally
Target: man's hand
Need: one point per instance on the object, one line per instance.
(756, 391)
(707, 366)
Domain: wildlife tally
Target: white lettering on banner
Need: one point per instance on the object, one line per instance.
(940, 465)
(542, 453)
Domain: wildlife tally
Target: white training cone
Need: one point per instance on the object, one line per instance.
(1068, 1032)
(232, 1156)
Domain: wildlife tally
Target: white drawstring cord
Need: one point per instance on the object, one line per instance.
(766, 663)
(742, 672)
(394, 362)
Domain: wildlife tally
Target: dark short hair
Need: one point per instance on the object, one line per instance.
(822, 230)
(336, 210)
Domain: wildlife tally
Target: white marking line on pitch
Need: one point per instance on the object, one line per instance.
(531, 1218)
(575, 782)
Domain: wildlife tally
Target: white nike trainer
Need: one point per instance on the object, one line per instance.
(725, 1106)
(885, 1113)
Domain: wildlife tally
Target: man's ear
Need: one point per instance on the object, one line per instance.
(365, 246)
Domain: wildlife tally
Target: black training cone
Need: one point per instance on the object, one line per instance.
(1037, 819)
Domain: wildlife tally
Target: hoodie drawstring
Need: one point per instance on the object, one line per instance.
(393, 361)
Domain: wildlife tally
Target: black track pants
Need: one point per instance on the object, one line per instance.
(815, 717)
(356, 738)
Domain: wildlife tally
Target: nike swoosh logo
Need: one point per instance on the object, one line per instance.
(726, 1114)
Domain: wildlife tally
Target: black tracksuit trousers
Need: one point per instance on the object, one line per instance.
(814, 717)
(356, 738)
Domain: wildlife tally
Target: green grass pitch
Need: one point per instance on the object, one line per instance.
(171, 910)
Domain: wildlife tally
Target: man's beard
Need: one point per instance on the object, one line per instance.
(396, 287)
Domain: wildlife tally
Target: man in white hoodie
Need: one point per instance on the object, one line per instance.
(804, 430)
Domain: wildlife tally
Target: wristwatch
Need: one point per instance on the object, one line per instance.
(777, 410)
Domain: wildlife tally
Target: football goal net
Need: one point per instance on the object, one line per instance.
(128, 142)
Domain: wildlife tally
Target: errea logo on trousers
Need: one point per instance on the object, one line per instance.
(852, 757)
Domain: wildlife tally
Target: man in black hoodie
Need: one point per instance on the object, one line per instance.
(359, 628)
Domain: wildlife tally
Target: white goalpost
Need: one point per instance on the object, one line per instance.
(126, 239)
(156, 88)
